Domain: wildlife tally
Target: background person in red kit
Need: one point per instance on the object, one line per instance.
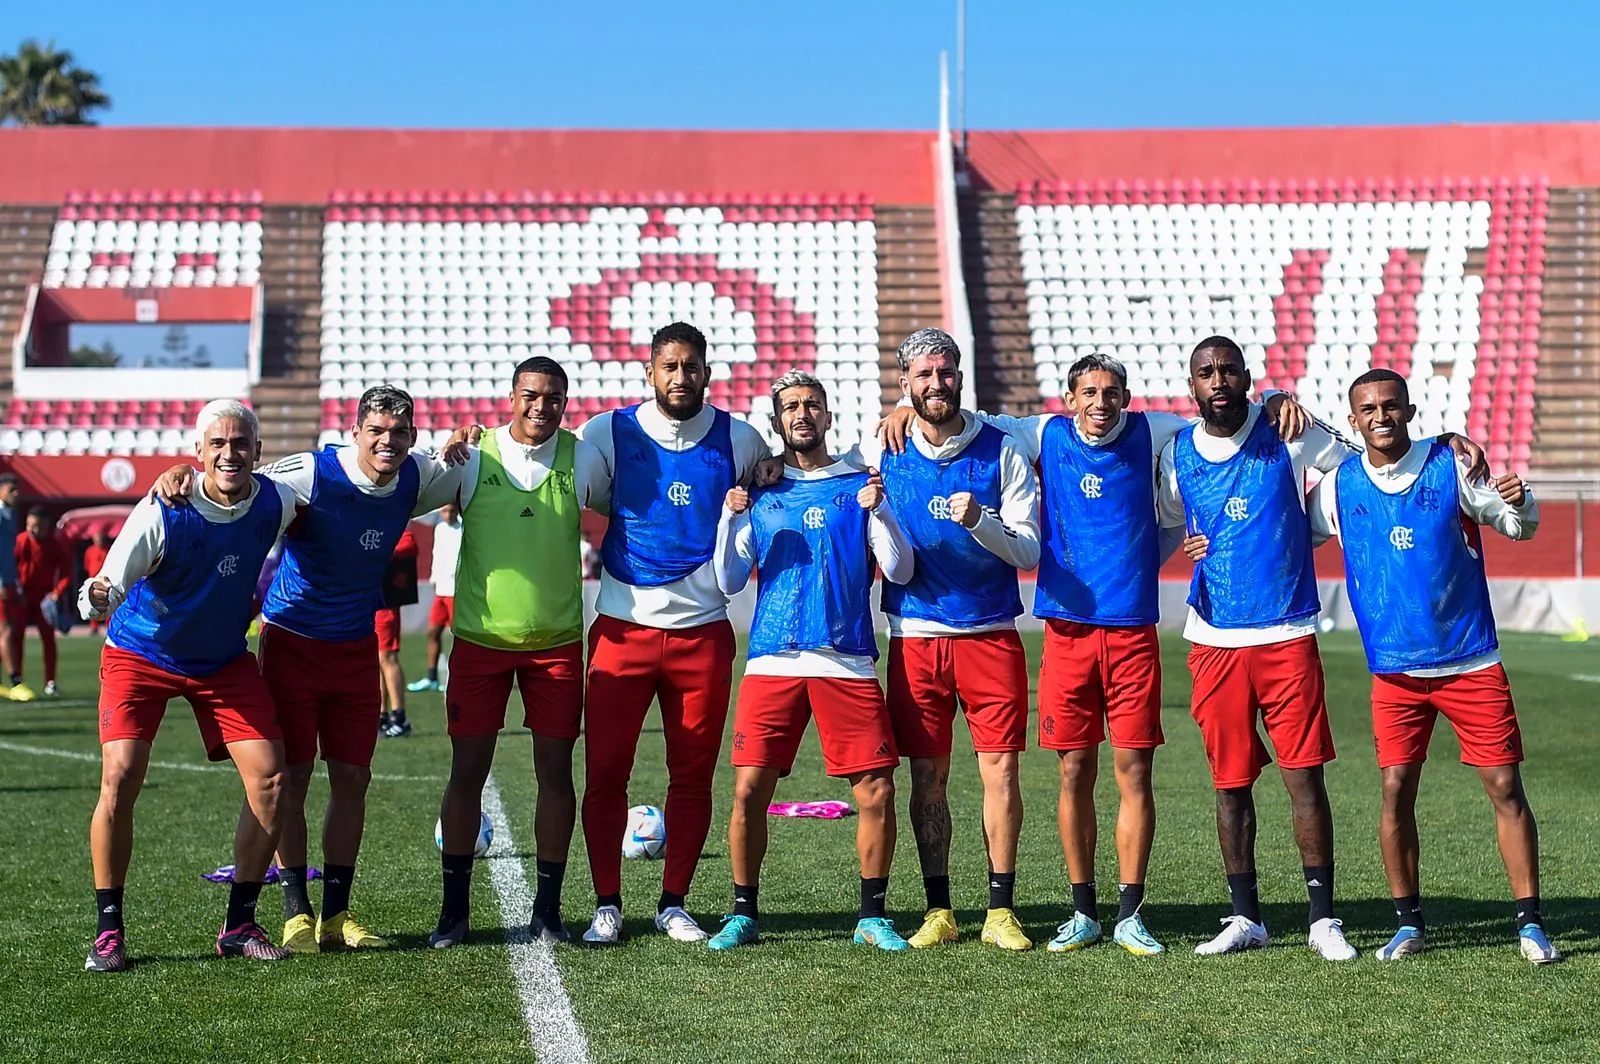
(44, 570)
(399, 589)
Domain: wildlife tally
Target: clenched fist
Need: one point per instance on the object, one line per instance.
(1196, 547)
(1512, 489)
(964, 509)
(737, 500)
(871, 494)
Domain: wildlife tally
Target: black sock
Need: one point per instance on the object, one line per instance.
(1242, 891)
(433, 675)
(613, 900)
(296, 901)
(398, 716)
(241, 905)
(1002, 888)
(336, 888)
(1319, 884)
(1129, 897)
(874, 893)
(108, 907)
(1528, 914)
(669, 900)
(746, 901)
(937, 888)
(547, 892)
(457, 887)
(1408, 911)
(1083, 900)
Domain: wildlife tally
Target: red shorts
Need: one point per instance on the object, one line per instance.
(386, 625)
(327, 695)
(550, 682)
(986, 671)
(1282, 684)
(1477, 704)
(231, 705)
(852, 722)
(1094, 677)
(442, 614)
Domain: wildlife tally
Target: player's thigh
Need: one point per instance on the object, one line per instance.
(1403, 716)
(1289, 686)
(133, 696)
(232, 705)
(624, 668)
(478, 687)
(1479, 707)
(697, 683)
(769, 720)
(852, 725)
(922, 695)
(1132, 670)
(551, 685)
(991, 673)
(1223, 705)
(1071, 692)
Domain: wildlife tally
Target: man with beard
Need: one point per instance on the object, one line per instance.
(1408, 518)
(319, 652)
(662, 630)
(967, 500)
(518, 616)
(179, 586)
(1240, 492)
(813, 537)
(1098, 596)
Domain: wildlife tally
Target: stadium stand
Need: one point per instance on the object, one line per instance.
(155, 239)
(444, 292)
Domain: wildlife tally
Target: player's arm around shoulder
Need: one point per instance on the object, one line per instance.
(297, 472)
(1320, 447)
(596, 432)
(1169, 500)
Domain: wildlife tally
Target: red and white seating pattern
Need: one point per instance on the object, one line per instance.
(1317, 282)
(156, 239)
(443, 294)
(124, 427)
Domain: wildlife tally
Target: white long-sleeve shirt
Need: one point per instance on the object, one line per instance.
(1319, 448)
(438, 482)
(141, 545)
(736, 558)
(446, 552)
(529, 466)
(1479, 502)
(1012, 534)
(696, 599)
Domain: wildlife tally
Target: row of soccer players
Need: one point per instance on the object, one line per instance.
(695, 502)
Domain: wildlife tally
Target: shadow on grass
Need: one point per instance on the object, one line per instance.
(50, 787)
(28, 730)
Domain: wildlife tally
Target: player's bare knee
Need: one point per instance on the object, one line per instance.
(875, 794)
(120, 784)
(348, 780)
(1079, 768)
(928, 783)
(1503, 785)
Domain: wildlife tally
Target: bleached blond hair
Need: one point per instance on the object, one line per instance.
(218, 409)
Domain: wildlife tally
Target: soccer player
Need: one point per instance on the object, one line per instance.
(519, 617)
(1407, 516)
(44, 571)
(813, 536)
(662, 630)
(184, 578)
(1239, 490)
(1098, 595)
(968, 502)
(399, 589)
(446, 549)
(10, 491)
(319, 653)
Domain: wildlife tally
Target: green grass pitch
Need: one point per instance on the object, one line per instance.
(806, 994)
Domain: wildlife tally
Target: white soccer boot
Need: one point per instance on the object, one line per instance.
(1238, 933)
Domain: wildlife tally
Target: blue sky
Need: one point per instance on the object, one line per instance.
(827, 64)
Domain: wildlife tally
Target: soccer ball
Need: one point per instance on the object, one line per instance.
(646, 836)
(1326, 625)
(485, 834)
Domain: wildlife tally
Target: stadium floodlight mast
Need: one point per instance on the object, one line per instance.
(961, 76)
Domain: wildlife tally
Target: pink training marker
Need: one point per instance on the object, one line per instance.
(820, 810)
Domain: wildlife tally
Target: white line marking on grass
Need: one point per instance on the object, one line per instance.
(94, 759)
(1585, 677)
(554, 1030)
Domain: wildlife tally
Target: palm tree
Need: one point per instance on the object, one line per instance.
(40, 86)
